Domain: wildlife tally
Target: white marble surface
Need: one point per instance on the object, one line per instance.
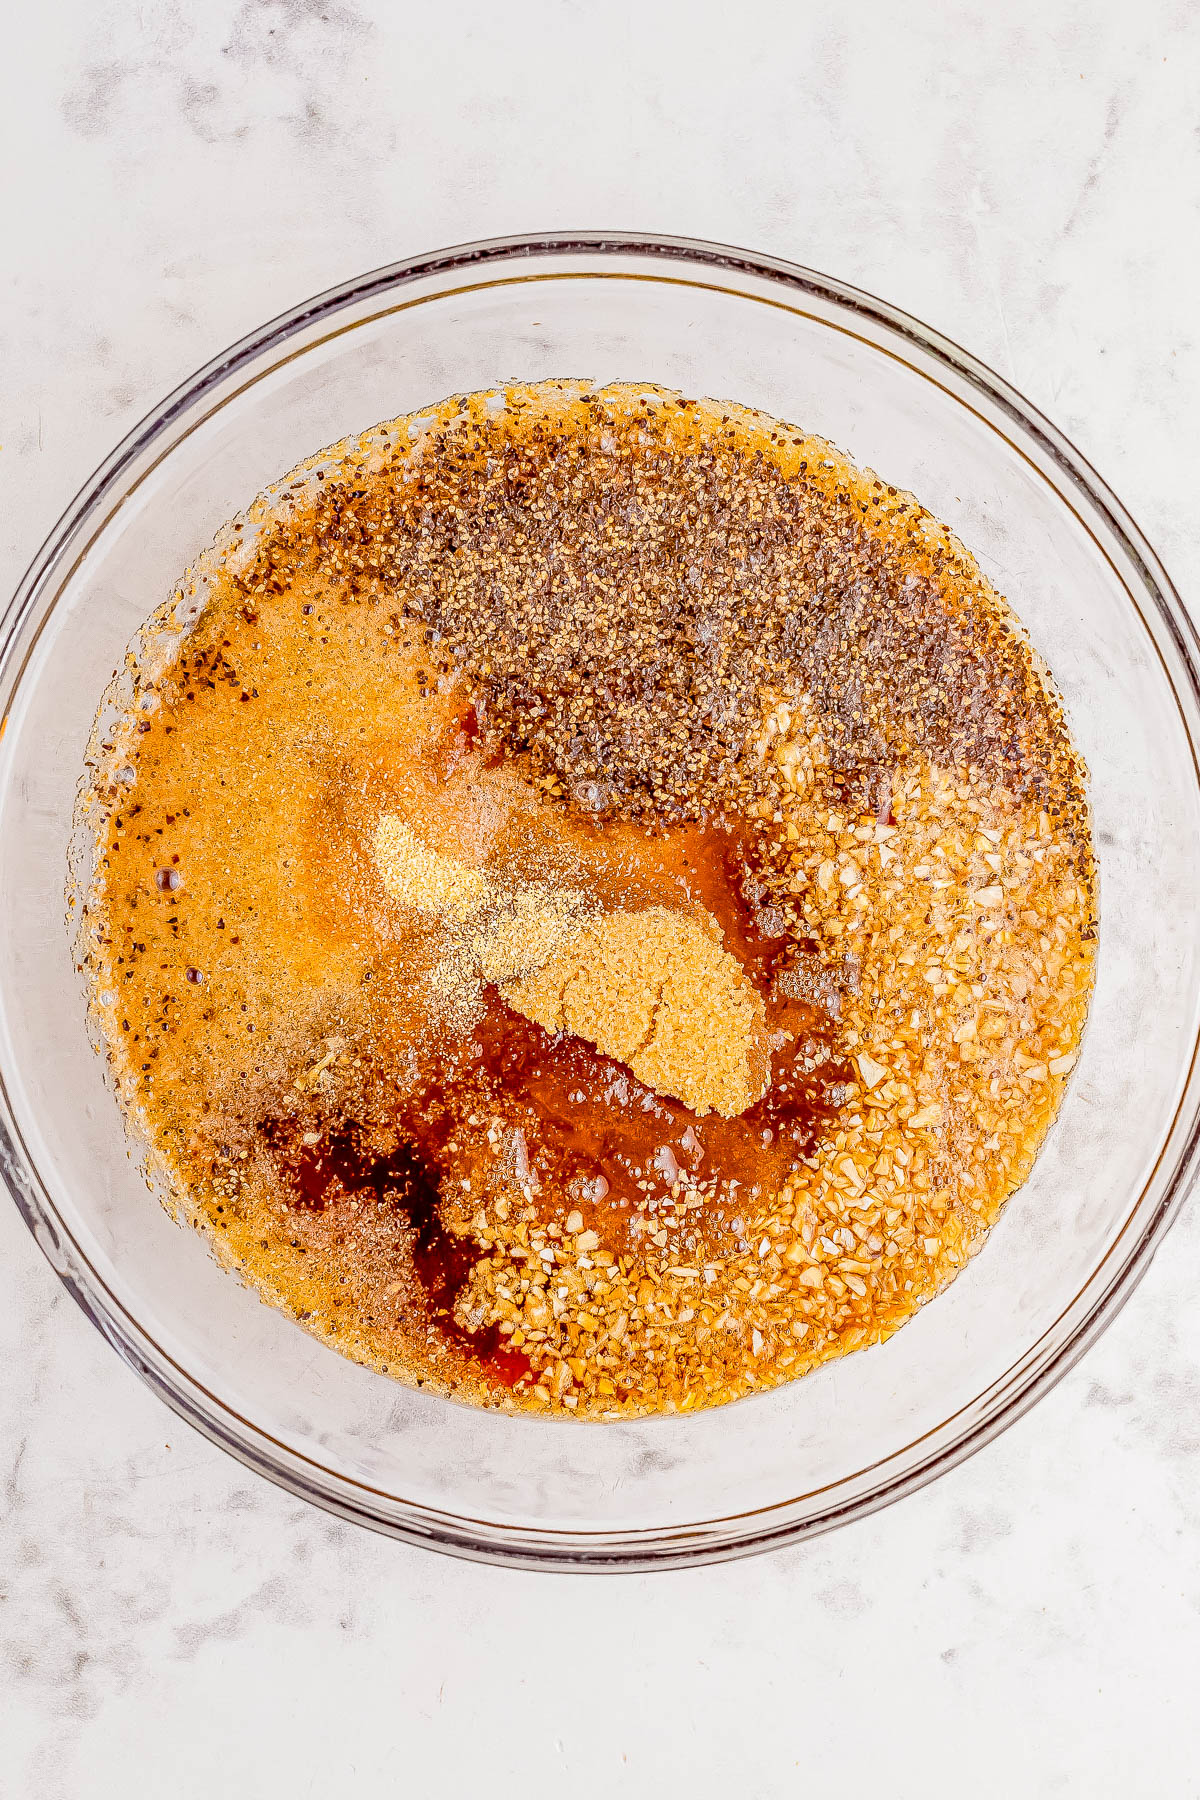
(1026, 177)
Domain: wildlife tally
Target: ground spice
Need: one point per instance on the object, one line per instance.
(416, 876)
(496, 927)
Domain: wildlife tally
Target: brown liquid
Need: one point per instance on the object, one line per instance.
(595, 1118)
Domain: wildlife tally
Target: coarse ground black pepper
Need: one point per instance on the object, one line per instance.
(626, 584)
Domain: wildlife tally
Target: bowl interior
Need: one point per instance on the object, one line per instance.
(1067, 1244)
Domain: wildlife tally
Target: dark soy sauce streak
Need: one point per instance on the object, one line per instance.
(406, 1179)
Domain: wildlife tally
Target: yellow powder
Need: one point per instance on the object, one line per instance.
(416, 876)
(657, 992)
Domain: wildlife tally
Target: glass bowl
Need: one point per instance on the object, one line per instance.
(1069, 1247)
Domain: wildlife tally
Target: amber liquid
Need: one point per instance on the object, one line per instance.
(349, 1145)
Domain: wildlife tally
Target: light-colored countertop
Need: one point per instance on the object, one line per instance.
(1026, 178)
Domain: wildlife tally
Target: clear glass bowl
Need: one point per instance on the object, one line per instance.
(1070, 1245)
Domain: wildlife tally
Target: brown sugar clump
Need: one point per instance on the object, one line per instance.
(655, 991)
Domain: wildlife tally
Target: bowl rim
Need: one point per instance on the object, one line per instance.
(511, 1543)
